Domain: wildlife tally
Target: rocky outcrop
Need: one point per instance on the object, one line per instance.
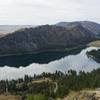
(85, 95)
(43, 38)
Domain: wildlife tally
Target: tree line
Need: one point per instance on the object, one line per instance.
(70, 81)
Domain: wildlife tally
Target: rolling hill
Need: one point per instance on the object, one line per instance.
(43, 38)
(91, 26)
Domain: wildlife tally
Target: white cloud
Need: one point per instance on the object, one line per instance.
(48, 11)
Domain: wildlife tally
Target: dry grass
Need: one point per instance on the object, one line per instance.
(95, 43)
(42, 80)
(84, 95)
(9, 97)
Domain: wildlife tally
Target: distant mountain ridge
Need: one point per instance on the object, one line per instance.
(91, 26)
(43, 38)
(5, 29)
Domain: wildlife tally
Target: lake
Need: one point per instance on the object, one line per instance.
(62, 62)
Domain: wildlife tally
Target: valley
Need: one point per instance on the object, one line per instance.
(56, 62)
(47, 48)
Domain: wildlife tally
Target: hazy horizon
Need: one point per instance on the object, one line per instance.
(46, 23)
(39, 12)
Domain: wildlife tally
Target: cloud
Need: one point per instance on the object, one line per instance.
(48, 11)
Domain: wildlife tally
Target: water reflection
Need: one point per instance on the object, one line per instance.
(76, 62)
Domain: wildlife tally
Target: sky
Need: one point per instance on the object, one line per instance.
(36, 12)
